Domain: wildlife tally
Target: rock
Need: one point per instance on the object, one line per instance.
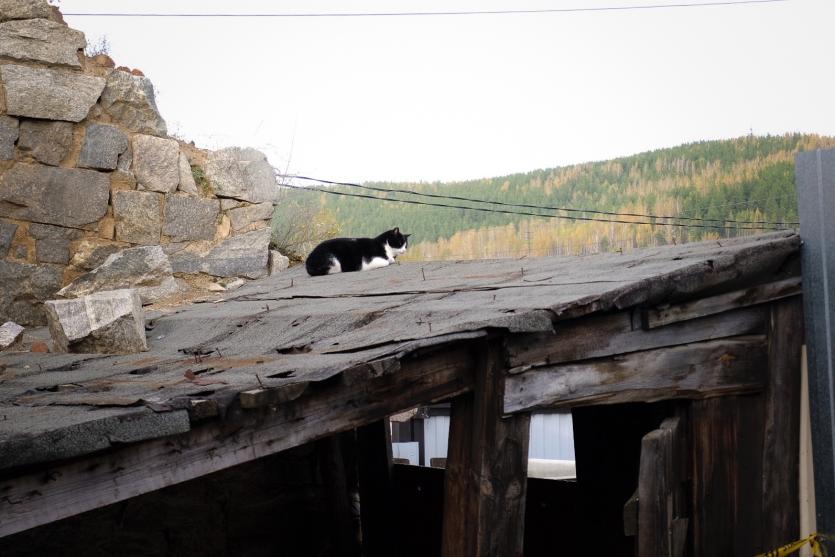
(120, 181)
(9, 133)
(243, 174)
(92, 252)
(235, 284)
(138, 216)
(53, 251)
(62, 196)
(49, 94)
(7, 231)
(109, 322)
(187, 184)
(10, 335)
(49, 232)
(242, 216)
(24, 9)
(41, 40)
(102, 147)
(278, 262)
(146, 269)
(190, 218)
(245, 255)
(156, 163)
(215, 287)
(125, 160)
(49, 142)
(103, 60)
(25, 286)
(226, 204)
(39, 347)
(129, 100)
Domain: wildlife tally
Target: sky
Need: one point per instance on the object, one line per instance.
(426, 98)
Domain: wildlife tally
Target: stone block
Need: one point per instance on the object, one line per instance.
(10, 335)
(41, 40)
(24, 9)
(156, 163)
(242, 174)
(130, 102)
(50, 232)
(278, 262)
(49, 94)
(92, 252)
(7, 232)
(25, 286)
(243, 216)
(53, 251)
(62, 196)
(110, 322)
(9, 132)
(146, 269)
(187, 184)
(102, 147)
(138, 216)
(239, 256)
(190, 218)
(47, 141)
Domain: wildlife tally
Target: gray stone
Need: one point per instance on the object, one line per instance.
(242, 216)
(92, 252)
(62, 196)
(41, 40)
(243, 174)
(102, 147)
(7, 231)
(53, 251)
(129, 100)
(110, 322)
(145, 268)
(49, 232)
(187, 184)
(138, 216)
(125, 160)
(49, 94)
(24, 9)
(21, 252)
(156, 163)
(190, 218)
(24, 289)
(8, 136)
(226, 204)
(47, 141)
(245, 255)
(278, 262)
(10, 335)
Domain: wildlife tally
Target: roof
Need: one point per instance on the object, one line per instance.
(294, 330)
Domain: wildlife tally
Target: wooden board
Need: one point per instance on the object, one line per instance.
(699, 370)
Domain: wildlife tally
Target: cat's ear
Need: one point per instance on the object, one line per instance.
(396, 230)
(406, 235)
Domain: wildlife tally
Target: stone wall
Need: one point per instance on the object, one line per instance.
(87, 169)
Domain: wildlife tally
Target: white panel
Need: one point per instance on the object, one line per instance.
(436, 437)
(551, 436)
(410, 450)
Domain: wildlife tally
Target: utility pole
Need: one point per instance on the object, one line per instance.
(815, 179)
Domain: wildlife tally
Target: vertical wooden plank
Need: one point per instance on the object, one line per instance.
(374, 468)
(487, 463)
(781, 445)
(333, 461)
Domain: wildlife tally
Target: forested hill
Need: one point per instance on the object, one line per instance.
(745, 179)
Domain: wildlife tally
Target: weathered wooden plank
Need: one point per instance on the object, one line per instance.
(699, 370)
(486, 474)
(630, 515)
(674, 313)
(607, 335)
(62, 490)
(374, 466)
(781, 448)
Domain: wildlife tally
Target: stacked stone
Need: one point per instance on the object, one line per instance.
(87, 170)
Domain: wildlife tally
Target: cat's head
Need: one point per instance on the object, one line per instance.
(397, 241)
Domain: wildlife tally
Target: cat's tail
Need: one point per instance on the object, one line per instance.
(317, 267)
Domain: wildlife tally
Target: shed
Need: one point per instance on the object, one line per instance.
(681, 366)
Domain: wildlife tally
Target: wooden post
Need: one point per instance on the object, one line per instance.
(333, 463)
(374, 469)
(781, 445)
(487, 465)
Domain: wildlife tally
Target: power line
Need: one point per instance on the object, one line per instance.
(522, 213)
(430, 13)
(539, 207)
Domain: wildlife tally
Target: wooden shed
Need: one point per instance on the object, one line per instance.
(681, 366)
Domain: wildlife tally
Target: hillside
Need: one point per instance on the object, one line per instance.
(744, 179)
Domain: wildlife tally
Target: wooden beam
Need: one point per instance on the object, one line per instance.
(486, 474)
(781, 446)
(674, 313)
(374, 465)
(609, 335)
(705, 369)
(65, 489)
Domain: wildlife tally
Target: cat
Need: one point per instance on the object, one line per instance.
(343, 255)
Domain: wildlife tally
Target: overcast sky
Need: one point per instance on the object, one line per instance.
(455, 97)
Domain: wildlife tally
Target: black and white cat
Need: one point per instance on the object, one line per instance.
(342, 255)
